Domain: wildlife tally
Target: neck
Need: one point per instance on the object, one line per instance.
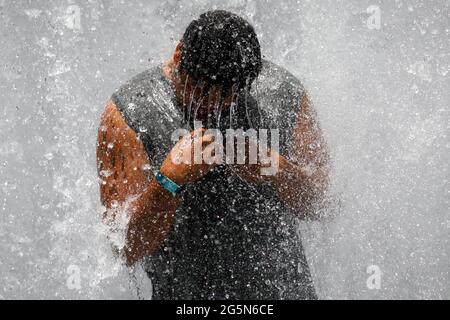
(169, 69)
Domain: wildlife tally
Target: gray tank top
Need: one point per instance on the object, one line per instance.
(229, 239)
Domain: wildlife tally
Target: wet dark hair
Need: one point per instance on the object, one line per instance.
(221, 48)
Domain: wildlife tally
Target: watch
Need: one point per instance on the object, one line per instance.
(167, 184)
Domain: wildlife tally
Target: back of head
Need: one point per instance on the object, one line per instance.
(221, 48)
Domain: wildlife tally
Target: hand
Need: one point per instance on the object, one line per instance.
(179, 165)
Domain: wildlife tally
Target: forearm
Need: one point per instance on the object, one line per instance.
(151, 218)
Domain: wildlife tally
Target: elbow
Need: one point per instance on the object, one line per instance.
(135, 248)
(302, 208)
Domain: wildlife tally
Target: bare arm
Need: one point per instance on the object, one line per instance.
(125, 183)
(302, 180)
(122, 161)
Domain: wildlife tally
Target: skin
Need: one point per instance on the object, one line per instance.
(126, 184)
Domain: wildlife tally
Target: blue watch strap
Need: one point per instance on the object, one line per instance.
(167, 184)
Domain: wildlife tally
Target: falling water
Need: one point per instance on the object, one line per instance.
(381, 93)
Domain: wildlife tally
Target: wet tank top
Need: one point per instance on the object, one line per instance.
(229, 239)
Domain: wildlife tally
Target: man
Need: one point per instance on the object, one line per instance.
(211, 230)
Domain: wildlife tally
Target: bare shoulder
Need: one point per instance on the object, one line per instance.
(114, 131)
(121, 157)
(112, 120)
